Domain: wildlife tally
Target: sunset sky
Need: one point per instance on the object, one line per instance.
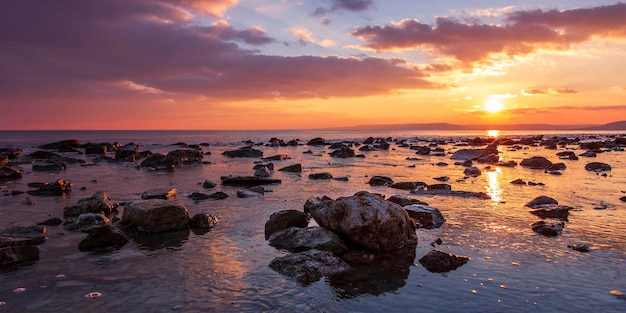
(306, 64)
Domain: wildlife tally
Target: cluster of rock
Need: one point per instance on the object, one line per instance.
(360, 229)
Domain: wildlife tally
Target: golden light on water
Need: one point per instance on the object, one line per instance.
(493, 185)
(493, 133)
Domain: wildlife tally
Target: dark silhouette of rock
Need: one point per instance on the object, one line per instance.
(55, 221)
(588, 154)
(58, 188)
(321, 176)
(95, 149)
(623, 199)
(439, 187)
(9, 173)
(408, 185)
(298, 239)
(378, 180)
(344, 152)
(207, 184)
(69, 143)
(296, 168)
(597, 167)
(437, 261)
(470, 154)
(536, 162)
(49, 167)
(103, 238)
(278, 157)
(552, 211)
(472, 171)
(18, 254)
(218, 195)
(158, 161)
(198, 196)
(421, 150)
(404, 201)
(159, 193)
(548, 229)
(285, 219)
(309, 266)
(127, 153)
(579, 247)
(98, 202)
(316, 142)
(425, 216)
(540, 201)
(10, 153)
(156, 215)
(567, 155)
(203, 221)
(23, 235)
(247, 181)
(556, 167)
(518, 181)
(245, 152)
(507, 164)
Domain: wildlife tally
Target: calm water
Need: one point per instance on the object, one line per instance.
(226, 270)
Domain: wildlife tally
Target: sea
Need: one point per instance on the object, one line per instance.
(512, 268)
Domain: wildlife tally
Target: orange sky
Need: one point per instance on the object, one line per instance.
(190, 64)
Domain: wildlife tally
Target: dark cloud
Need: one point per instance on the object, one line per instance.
(118, 48)
(346, 5)
(564, 91)
(523, 33)
(533, 91)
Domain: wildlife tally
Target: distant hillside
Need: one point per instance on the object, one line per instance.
(529, 127)
(620, 125)
(414, 126)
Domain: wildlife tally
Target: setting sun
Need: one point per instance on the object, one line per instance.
(493, 105)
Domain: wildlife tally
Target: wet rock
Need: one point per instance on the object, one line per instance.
(198, 196)
(247, 181)
(22, 235)
(88, 221)
(597, 167)
(425, 216)
(344, 152)
(69, 143)
(552, 211)
(318, 176)
(378, 180)
(437, 261)
(536, 162)
(262, 171)
(127, 153)
(245, 152)
(297, 239)
(316, 142)
(441, 164)
(404, 201)
(285, 219)
(203, 221)
(442, 178)
(518, 181)
(313, 202)
(103, 238)
(186, 156)
(548, 229)
(439, 187)
(470, 154)
(278, 157)
(623, 199)
(9, 173)
(207, 184)
(218, 195)
(156, 215)
(29, 201)
(159, 193)
(158, 161)
(421, 150)
(44, 155)
(567, 155)
(556, 167)
(454, 193)
(10, 153)
(540, 201)
(55, 221)
(588, 154)
(408, 185)
(95, 149)
(309, 266)
(367, 221)
(579, 247)
(58, 188)
(49, 167)
(296, 168)
(248, 194)
(488, 159)
(507, 164)
(97, 203)
(18, 254)
(472, 171)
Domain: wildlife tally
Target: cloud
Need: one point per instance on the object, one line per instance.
(214, 8)
(304, 35)
(344, 5)
(524, 32)
(148, 49)
(563, 91)
(533, 92)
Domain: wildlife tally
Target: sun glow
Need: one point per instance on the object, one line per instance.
(493, 105)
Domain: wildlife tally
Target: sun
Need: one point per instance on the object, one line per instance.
(493, 105)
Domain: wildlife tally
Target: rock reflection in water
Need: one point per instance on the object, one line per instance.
(166, 240)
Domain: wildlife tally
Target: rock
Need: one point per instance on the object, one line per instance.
(44, 155)
(49, 167)
(548, 229)
(245, 152)
(597, 167)
(404, 201)
(588, 154)
(297, 239)
(58, 188)
(296, 168)
(263, 172)
(159, 193)
(318, 176)
(9, 173)
(103, 238)
(158, 161)
(380, 181)
(455, 193)
(203, 221)
(439, 187)
(472, 171)
(69, 143)
(18, 254)
(441, 164)
(97, 203)
(29, 201)
(367, 221)
(10, 153)
(88, 221)
(507, 164)
(313, 202)
(285, 219)
(469, 154)
(278, 157)
(557, 167)
(552, 211)
(425, 216)
(309, 266)
(442, 178)
(269, 166)
(623, 199)
(567, 155)
(421, 150)
(316, 142)
(248, 194)
(95, 149)
(307, 152)
(437, 261)
(536, 162)
(207, 184)
(218, 195)
(518, 181)
(156, 215)
(198, 196)
(344, 152)
(540, 201)
(247, 181)
(55, 221)
(408, 185)
(579, 247)
(22, 235)
(186, 156)
(127, 153)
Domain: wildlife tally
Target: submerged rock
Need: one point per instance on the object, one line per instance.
(103, 238)
(88, 221)
(9, 173)
(579, 247)
(454, 193)
(548, 229)
(156, 215)
(437, 261)
(18, 254)
(285, 219)
(23, 235)
(425, 216)
(472, 171)
(404, 201)
(309, 266)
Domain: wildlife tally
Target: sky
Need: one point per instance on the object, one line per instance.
(309, 64)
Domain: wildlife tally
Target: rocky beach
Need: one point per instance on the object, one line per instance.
(311, 221)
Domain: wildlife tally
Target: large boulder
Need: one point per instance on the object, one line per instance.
(103, 238)
(425, 216)
(285, 219)
(309, 266)
(245, 152)
(597, 167)
(297, 239)
(536, 162)
(367, 221)
(97, 203)
(156, 215)
(437, 261)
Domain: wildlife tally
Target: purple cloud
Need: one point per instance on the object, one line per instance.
(347, 5)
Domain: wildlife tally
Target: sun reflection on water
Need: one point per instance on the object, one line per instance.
(493, 185)
(493, 133)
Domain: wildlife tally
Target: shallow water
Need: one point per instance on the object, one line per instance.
(512, 269)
